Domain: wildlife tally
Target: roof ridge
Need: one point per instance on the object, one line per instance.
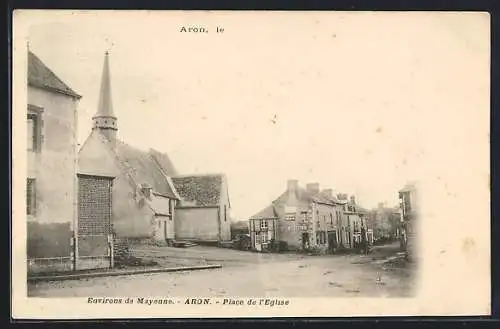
(67, 89)
(199, 175)
(169, 180)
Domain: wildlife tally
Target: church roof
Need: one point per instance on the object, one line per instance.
(39, 75)
(201, 190)
(143, 167)
(266, 213)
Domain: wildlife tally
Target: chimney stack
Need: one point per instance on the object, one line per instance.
(328, 193)
(312, 188)
(292, 185)
(342, 196)
(353, 199)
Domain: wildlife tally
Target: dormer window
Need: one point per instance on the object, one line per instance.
(147, 190)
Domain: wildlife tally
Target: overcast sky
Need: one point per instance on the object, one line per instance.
(359, 102)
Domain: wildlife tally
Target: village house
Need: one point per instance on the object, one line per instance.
(408, 200)
(386, 222)
(124, 192)
(203, 213)
(51, 186)
(263, 228)
(355, 223)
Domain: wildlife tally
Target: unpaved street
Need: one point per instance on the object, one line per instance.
(249, 274)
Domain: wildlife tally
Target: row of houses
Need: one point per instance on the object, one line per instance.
(311, 219)
(82, 201)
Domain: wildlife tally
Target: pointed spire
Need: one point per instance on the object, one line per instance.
(104, 119)
(105, 106)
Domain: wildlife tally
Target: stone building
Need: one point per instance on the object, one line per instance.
(263, 228)
(386, 222)
(51, 188)
(408, 200)
(203, 213)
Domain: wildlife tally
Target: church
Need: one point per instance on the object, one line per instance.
(134, 194)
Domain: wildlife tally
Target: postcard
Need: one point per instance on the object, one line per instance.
(250, 164)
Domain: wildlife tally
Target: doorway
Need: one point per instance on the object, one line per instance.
(305, 241)
(332, 242)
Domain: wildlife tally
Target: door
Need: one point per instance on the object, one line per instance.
(305, 241)
(332, 241)
(165, 230)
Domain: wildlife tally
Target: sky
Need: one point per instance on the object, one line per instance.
(358, 102)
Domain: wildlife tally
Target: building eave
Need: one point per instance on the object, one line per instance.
(55, 90)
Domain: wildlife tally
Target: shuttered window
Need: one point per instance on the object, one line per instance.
(31, 196)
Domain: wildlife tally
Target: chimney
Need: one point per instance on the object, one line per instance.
(342, 196)
(353, 199)
(312, 188)
(328, 193)
(292, 185)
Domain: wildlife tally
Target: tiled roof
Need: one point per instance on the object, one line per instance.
(199, 190)
(39, 75)
(144, 168)
(267, 212)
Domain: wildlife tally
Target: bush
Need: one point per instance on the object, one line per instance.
(278, 246)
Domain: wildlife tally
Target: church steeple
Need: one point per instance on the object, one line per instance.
(104, 119)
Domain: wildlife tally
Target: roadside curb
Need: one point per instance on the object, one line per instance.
(77, 276)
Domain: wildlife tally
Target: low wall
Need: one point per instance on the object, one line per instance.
(93, 262)
(49, 240)
(49, 265)
(49, 247)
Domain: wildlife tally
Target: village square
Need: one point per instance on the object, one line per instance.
(108, 219)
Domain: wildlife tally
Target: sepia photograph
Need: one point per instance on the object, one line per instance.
(224, 159)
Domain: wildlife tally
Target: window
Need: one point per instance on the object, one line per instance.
(320, 237)
(225, 213)
(263, 224)
(290, 217)
(33, 132)
(331, 218)
(31, 197)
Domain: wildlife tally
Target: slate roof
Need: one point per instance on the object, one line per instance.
(201, 190)
(39, 75)
(143, 168)
(267, 212)
(304, 195)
